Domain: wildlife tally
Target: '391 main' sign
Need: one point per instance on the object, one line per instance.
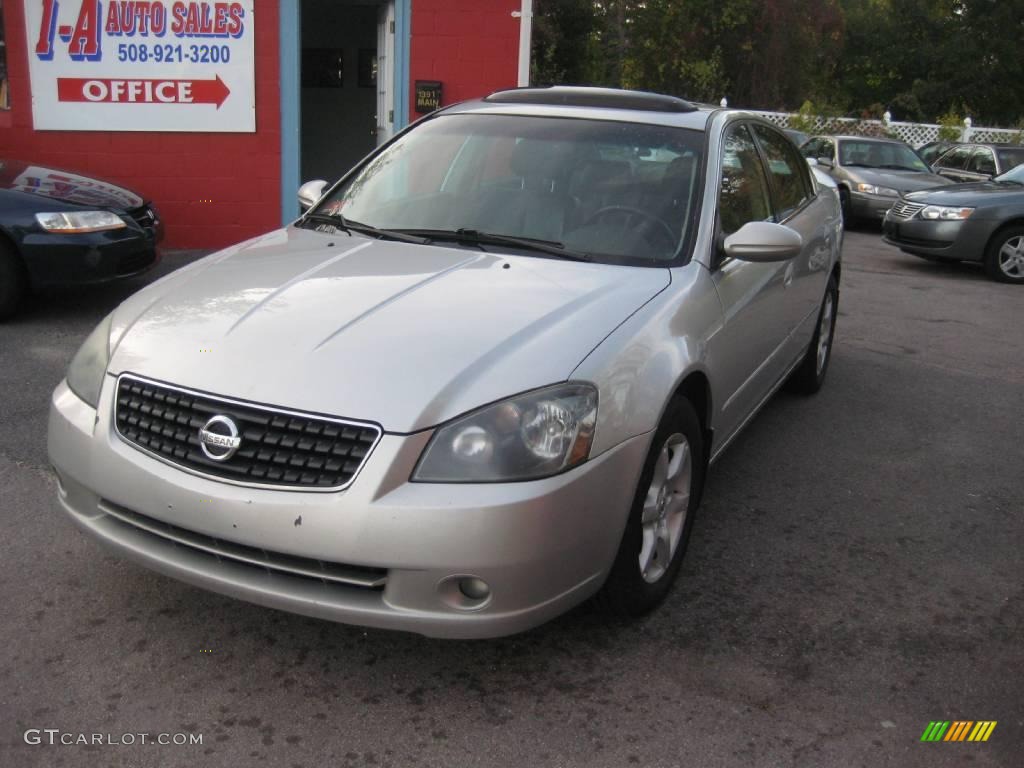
(141, 65)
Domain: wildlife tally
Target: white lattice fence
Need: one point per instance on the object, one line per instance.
(915, 134)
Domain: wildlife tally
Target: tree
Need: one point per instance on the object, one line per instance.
(917, 58)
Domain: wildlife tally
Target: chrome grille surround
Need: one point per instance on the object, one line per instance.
(904, 210)
(281, 449)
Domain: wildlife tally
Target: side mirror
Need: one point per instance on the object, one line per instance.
(763, 241)
(812, 162)
(825, 161)
(310, 192)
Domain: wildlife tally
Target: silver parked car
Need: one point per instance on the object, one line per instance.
(479, 381)
(871, 174)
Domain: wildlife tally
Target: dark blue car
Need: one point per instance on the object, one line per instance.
(58, 227)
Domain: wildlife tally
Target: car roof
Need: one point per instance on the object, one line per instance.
(994, 144)
(851, 137)
(592, 104)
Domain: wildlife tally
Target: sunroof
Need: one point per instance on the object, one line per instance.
(609, 98)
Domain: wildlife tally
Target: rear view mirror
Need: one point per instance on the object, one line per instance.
(310, 192)
(763, 241)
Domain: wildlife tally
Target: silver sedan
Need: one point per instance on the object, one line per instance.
(480, 380)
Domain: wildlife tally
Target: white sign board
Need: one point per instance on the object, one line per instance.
(141, 65)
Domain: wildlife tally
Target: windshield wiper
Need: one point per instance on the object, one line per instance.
(335, 220)
(896, 167)
(383, 234)
(476, 237)
(338, 221)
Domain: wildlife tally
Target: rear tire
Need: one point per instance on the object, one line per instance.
(660, 520)
(810, 375)
(1004, 257)
(13, 281)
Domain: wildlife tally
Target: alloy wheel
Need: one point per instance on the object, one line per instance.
(825, 332)
(1011, 257)
(665, 507)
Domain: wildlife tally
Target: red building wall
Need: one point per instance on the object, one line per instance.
(239, 173)
(471, 46)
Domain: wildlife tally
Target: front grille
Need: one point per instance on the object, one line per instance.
(904, 210)
(278, 448)
(135, 262)
(273, 562)
(144, 216)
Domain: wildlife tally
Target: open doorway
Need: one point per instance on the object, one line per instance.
(347, 83)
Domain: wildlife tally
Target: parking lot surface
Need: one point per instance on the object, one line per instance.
(855, 573)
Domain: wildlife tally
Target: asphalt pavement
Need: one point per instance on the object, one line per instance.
(855, 573)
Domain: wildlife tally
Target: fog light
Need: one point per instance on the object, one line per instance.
(474, 588)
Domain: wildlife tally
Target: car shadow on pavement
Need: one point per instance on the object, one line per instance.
(947, 270)
(84, 302)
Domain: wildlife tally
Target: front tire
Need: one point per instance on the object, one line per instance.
(1004, 257)
(846, 206)
(810, 375)
(13, 281)
(660, 520)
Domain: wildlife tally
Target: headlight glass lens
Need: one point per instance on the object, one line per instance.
(89, 365)
(533, 435)
(72, 222)
(945, 213)
(871, 189)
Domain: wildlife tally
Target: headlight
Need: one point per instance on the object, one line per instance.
(89, 365)
(534, 435)
(945, 213)
(72, 222)
(871, 189)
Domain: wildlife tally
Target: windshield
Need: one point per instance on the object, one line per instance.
(1016, 175)
(1010, 157)
(619, 192)
(880, 154)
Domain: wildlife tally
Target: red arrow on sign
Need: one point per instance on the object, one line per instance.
(122, 91)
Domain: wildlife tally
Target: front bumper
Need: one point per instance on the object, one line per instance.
(870, 206)
(541, 546)
(92, 257)
(947, 240)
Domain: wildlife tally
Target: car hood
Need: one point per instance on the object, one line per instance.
(69, 188)
(973, 194)
(904, 181)
(404, 335)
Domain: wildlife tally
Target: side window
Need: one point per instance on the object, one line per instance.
(955, 158)
(982, 161)
(743, 193)
(812, 148)
(787, 170)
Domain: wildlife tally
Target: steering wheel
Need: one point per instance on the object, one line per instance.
(651, 222)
